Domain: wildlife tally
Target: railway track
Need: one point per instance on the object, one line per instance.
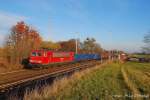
(12, 79)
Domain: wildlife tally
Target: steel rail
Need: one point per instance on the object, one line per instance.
(13, 72)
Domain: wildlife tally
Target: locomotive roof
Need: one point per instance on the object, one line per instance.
(42, 50)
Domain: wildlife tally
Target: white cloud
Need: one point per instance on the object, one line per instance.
(7, 20)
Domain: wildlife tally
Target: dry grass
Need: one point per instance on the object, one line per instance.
(7, 67)
(129, 84)
(139, 76)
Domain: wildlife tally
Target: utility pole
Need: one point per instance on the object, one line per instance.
(109, 52)
(76, 45)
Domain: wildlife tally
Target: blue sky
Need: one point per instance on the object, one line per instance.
(116, 24)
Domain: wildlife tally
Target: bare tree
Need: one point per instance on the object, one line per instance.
(147, 43)
(90, 46)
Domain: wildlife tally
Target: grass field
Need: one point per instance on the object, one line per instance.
(115, 81)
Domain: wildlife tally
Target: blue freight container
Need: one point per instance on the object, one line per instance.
(79, 57)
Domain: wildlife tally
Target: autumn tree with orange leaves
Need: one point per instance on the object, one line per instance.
(20, 42)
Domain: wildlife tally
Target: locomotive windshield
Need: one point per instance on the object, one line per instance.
(33, 54)
(39, 54)
(36, 54)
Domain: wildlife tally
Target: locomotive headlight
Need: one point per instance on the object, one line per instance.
(35, 61)
(39, 61)
(31, 60)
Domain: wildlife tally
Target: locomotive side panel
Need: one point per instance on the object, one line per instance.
(62, 57)
(48, 57)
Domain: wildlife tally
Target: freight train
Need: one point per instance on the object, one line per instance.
(46, 57)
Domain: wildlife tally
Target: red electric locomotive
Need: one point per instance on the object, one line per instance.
(43, 57)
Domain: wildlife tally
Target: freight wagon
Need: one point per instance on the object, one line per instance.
(81, 57)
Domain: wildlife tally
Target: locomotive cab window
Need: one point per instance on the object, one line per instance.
(39, 54)
(36, 54)
(45, 54)
(33, 54)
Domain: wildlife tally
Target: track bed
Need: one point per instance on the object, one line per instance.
(12, 79)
